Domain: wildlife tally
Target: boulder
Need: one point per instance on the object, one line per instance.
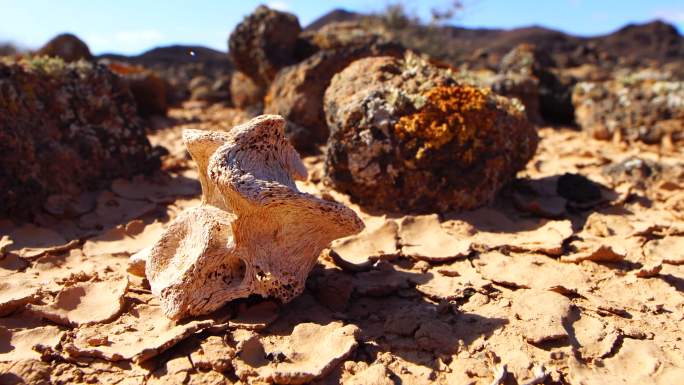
(65, 128)
(263, 43)
(644, 110)
(297, 91)
(555, 105)
(245, 93)
(406, 136)
(66, 46)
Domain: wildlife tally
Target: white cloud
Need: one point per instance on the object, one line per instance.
(279, 5)
(128, 42)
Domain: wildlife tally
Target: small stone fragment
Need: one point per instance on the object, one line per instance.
(531, 271)
(669, 250)
(30, 241)
(86, 302)
(455, 281)
(123, 240)
(423, 237)
(310, 352)
(214, 354)
(255, 317)
(138, 335)
(542, 313)
(18, 345)
(600, 253)
(375, 374)
(435, 336)
(363, 249)
(381, 281)
(15, 293)
(596, 337)
(5, 243)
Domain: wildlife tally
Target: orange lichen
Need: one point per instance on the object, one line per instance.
(450, 113)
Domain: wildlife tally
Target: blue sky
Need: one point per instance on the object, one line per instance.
(129, 26)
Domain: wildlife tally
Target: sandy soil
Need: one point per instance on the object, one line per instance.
(560, 281)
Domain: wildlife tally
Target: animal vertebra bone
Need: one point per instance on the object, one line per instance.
(254, 232)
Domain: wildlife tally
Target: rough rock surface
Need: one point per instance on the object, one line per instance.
(245, 93)
(406, 136)
(263, 43)
(554, 91)
(255, 232)
(67, 47)
(149, 90)
(209, 90)
(297, 91)
(65, 128)
(631, 109)
(523, 87)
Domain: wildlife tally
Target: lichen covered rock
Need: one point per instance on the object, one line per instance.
(405, 135)
(67, 47)
(65, 128)
(263, 43)
(297, 91)
(634, 109)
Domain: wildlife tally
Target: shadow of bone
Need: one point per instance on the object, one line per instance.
(391, 314)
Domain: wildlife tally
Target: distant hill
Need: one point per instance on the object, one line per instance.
(657, 41)
(174, 54)
(337, 15)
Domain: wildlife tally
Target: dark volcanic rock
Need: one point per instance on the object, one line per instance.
(555, 92)
(523, 87)
(297, 91)
(209, 90)
(149, 90)
(65, 128)
(634, 109)
(406, 136)
(66, 46)
(263, 43)
(245, 93)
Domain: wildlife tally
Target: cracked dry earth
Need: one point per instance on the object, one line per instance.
(575, 275)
